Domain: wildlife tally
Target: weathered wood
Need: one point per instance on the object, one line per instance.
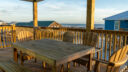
(90, 39)
(90, 15)
(110, 45)
(106, 43)
(25, 36)
(21, 58)
(13, 67)
(90, 61)
(55, 53)
(68, 37)
(117, 59)
(15, 55)
(35, 16)
(62, 68)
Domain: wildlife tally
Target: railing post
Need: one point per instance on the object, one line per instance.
(37, 33)
(14, 33)
(90, 15)
(35, 14)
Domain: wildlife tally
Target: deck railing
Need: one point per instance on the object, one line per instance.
(108, 41)
(6, 36)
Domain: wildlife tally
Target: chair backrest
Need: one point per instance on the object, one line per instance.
(90, 39)
(68, 37)
(117, 59)
(119, 55)
(24, 36)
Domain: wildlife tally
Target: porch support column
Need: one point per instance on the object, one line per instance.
(35, 14)
(90, 15)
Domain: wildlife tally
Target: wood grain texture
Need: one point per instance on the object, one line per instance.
(53, 52)
(13, 67)
(90, 15)
(117, 59)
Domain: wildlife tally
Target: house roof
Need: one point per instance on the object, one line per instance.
(1, 21)
(120, 16)
(40, 23)
(32, 0)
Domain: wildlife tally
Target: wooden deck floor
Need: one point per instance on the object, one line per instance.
(6, 54)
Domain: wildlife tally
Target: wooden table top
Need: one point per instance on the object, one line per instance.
(53, 52)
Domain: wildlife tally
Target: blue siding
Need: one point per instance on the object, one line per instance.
(109, 25)
(123, 24)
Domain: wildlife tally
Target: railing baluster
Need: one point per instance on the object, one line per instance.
(110, 45)
(98, 54)
(102, 39)
(120, 38)
(125, 40)
(4, 45)
(115, 40)
(106, 41)
(81, 38)
(75, 37)
(78, 37)
(1, 45)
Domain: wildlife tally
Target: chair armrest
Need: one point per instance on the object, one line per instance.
(98, 50)
(103, 61)
(123, 61)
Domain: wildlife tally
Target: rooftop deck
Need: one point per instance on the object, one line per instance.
(108, 41)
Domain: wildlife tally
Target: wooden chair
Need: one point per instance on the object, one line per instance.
(116, 60)
(21, 37)
(90, 39)
(68, 37)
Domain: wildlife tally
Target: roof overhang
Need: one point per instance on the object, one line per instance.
(32, 0)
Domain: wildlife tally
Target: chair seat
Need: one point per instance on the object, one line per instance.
(84, 60)
(26, 56)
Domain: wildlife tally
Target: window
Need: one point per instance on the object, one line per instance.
(117, 25)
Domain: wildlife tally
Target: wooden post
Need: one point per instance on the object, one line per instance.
(35, 18)
(14, 33)
(15, 54)
(90, 15)
(35, 14)
(37, 33)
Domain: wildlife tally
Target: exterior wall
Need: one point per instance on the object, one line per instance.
(55, 24)
(109, 24)
(123, 25)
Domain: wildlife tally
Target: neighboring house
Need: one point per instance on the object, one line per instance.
(2, 22)
(117, 22)
(40, 23)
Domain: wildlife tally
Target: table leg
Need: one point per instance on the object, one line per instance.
(62, 68)
(15, 55)
(44, 66)
(54, 69)
(21, 57)
(90, 62)
(68, 66)
(35, 60)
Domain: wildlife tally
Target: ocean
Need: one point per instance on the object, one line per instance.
(83, 25)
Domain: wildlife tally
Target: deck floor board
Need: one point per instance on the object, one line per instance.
(7, 53)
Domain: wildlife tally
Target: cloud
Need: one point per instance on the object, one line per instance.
(100, 13)
(63, 11)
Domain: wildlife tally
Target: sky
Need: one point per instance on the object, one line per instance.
(61, 11)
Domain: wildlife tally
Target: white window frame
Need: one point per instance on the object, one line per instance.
(117, 25)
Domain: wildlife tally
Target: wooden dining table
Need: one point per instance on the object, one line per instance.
(54, 53)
